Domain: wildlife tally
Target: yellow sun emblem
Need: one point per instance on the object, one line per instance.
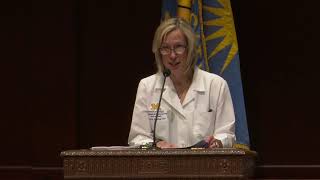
(227, 31)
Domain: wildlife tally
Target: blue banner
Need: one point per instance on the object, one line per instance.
(212, 21)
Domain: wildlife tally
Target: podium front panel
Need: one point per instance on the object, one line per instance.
(158, 164)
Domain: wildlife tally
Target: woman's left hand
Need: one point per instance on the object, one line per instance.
(213, 142)
(165, 145)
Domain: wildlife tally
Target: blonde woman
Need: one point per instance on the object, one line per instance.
(196, 105)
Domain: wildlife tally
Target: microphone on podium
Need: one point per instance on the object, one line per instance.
(166, 73)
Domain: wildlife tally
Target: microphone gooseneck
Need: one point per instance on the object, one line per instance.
(166, 73)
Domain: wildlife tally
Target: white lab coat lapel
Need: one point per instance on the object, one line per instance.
(170, 96)
(195, 87)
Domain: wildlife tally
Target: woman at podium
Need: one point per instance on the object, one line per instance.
(196, 105)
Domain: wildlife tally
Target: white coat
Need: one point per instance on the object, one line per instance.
(206, 110)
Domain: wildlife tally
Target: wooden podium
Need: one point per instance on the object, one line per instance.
(225, 163)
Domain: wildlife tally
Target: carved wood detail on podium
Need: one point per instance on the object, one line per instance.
(166, 164)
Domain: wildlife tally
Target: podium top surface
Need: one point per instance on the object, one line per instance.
(161, 152)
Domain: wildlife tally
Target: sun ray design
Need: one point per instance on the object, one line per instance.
(227, 31)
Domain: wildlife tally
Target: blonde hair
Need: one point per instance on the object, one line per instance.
(168, 26)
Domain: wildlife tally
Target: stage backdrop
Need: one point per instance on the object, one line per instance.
(87, 60)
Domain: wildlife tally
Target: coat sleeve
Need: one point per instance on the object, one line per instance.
(140, 132)
(225, 118)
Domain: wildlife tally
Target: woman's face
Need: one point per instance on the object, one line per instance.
(174, 52)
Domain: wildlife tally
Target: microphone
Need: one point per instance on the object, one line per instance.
(166, 73)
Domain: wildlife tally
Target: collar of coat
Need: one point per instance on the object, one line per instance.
(170, 95)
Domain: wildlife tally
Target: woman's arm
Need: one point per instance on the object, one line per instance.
(140, 132)
(225, 118)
